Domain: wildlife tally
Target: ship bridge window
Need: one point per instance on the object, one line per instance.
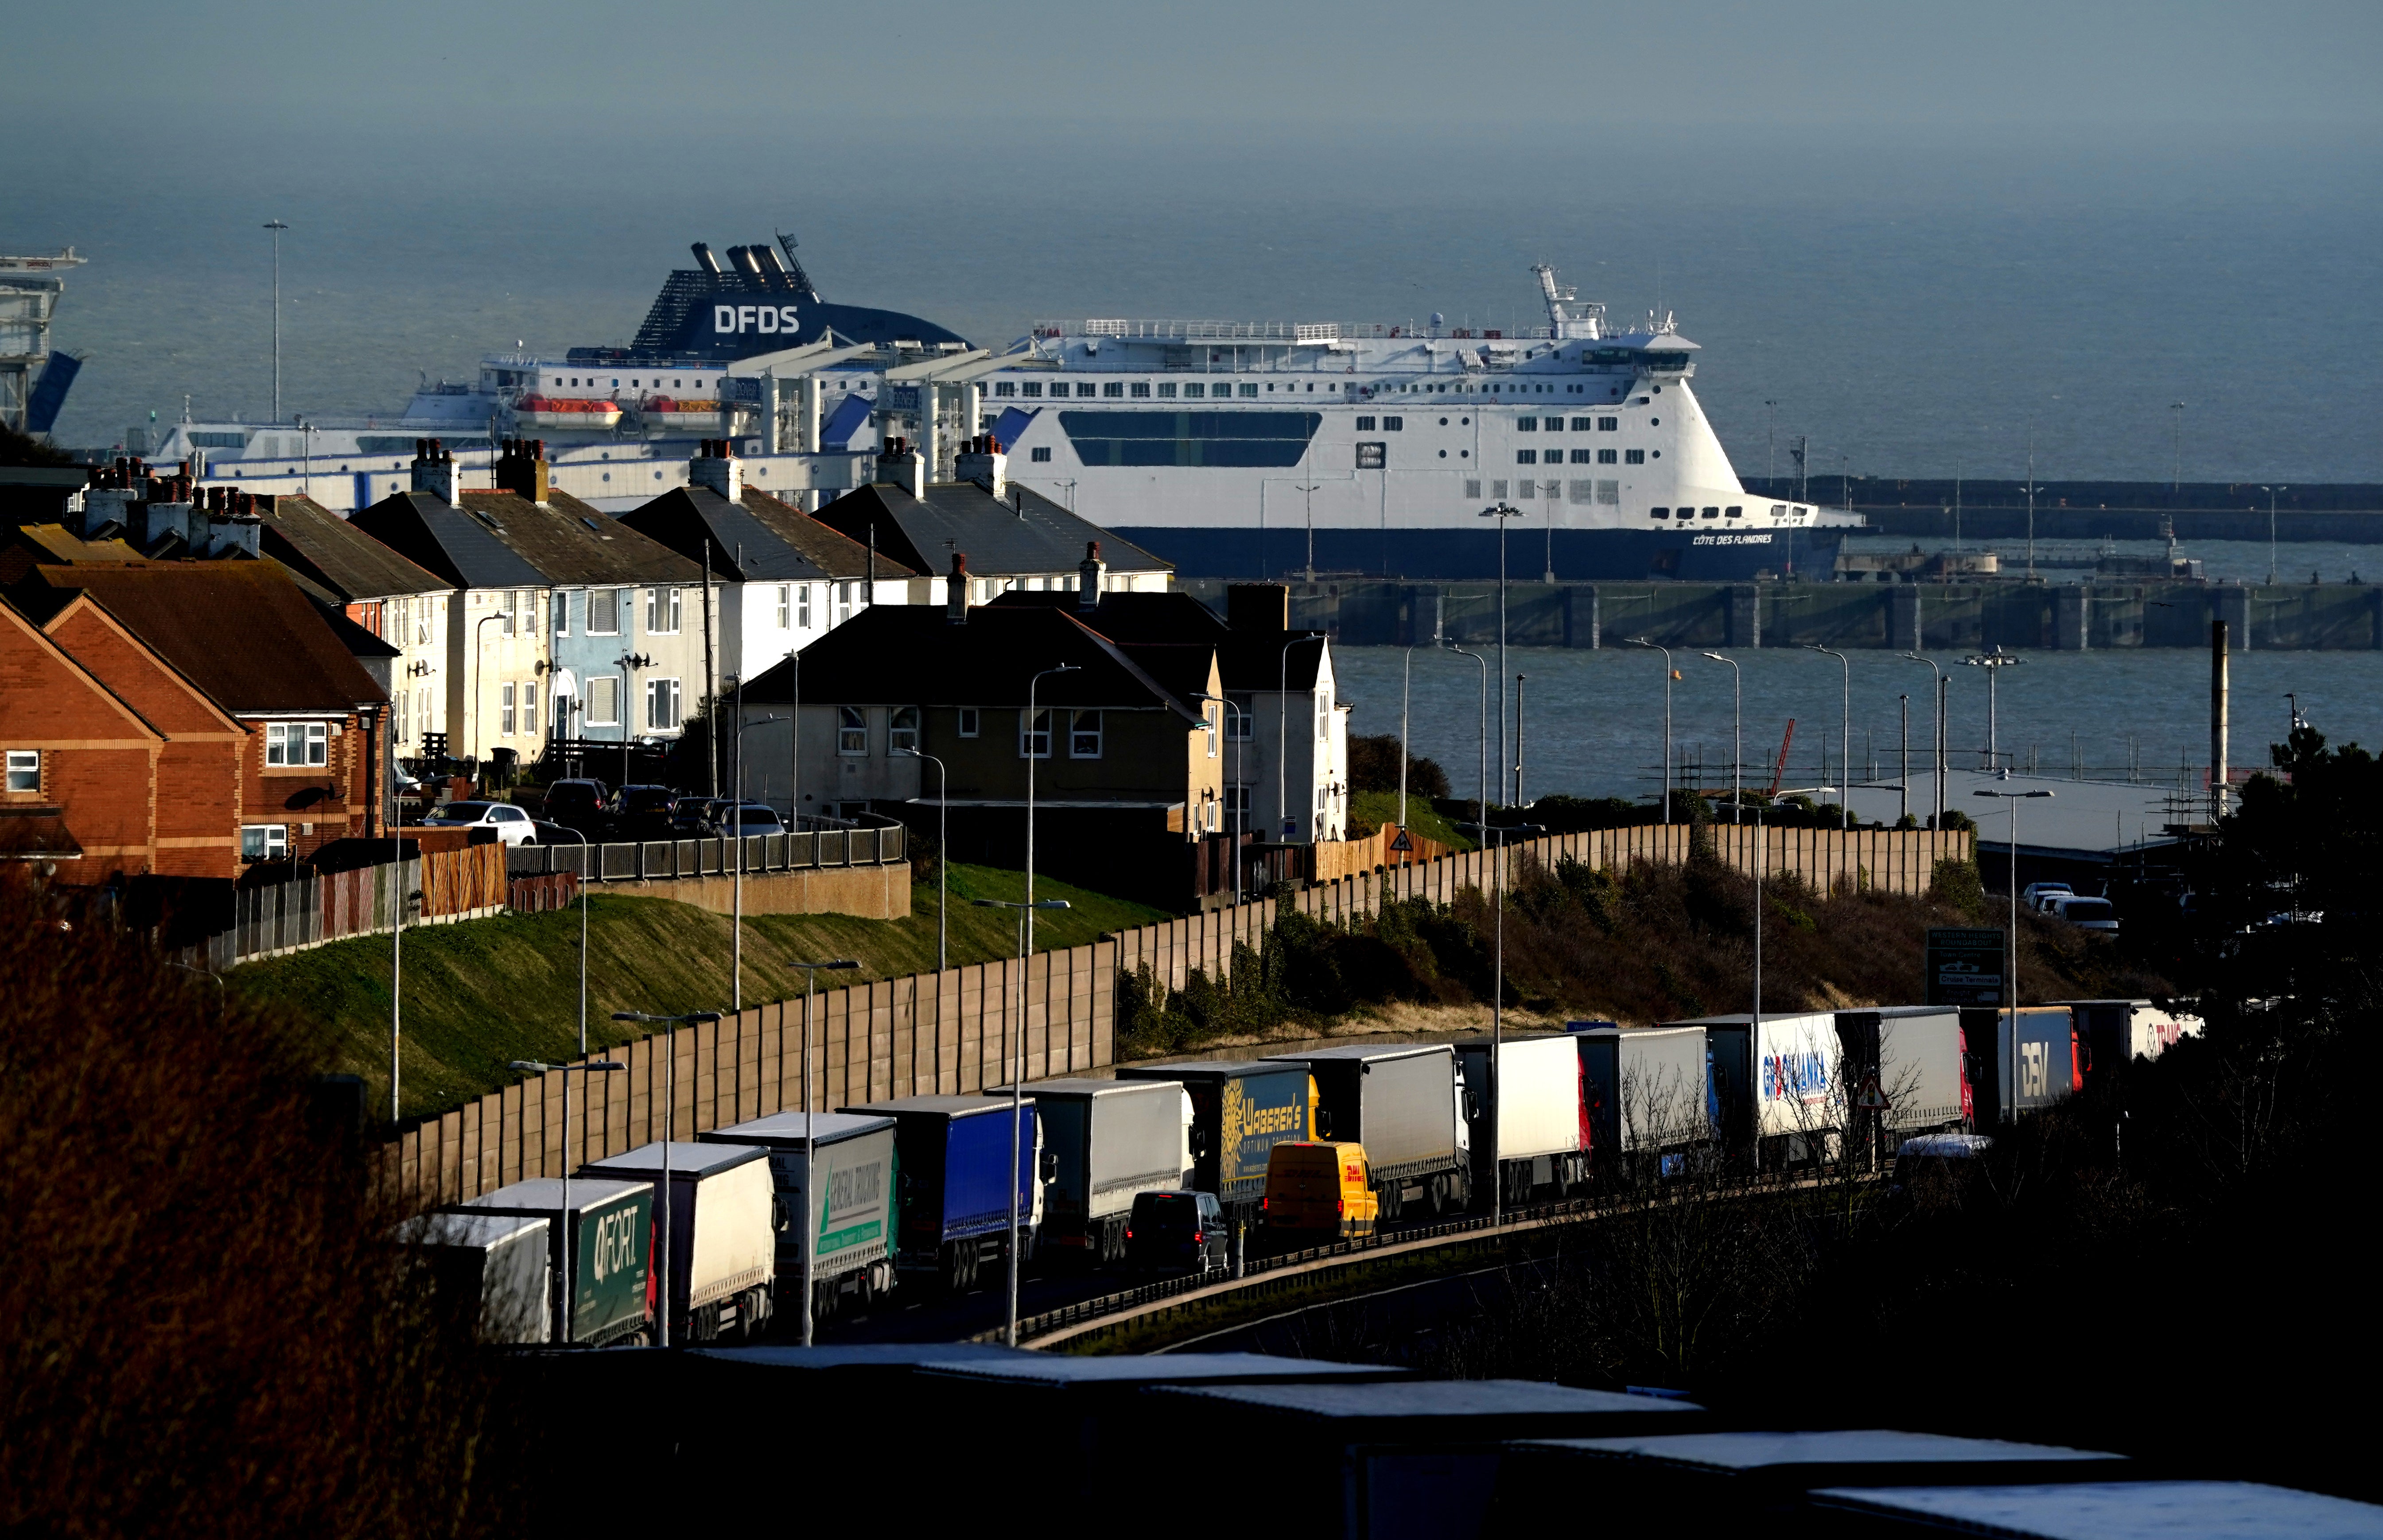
(1167, 389)
(1005, 388)
(1530, 457)
(1195, 390)
(1031, 387)
(1142, 390)
(1084, 389)
(1658, 512)
(1249, 389)
(1634, 457)
(1667, 361)
(1735, 513)
(1527, 425)
(1255, 439)
(1712, 513)
(1113, 389)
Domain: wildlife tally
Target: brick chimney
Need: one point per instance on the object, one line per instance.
(956, 590)
(434, 472)
(523, 470)
(168, 511)
(232, 526)
(980, 460)
(902, 466)
(715, 465)
(1091, 577)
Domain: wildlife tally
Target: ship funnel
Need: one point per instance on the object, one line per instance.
(704, 259)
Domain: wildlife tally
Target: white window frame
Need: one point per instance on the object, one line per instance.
(852, 731)
(529, 709)
(786, 606)
(594, 714)
(612, 598)
(663, 604)
(971, 723)
(562, 613)
(1084, 743)
(23, 762)
(313, 745)
(662, 700)
(505, 710)
(1040, 732)
(902, 729)
(803, 607)
(273, 840)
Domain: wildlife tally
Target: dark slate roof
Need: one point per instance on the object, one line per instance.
(317, 543)
(1247, 661)
(1031, 534)
(448, 541)
(914, 655)
(836, 554)
(568, 542)
(240, 630)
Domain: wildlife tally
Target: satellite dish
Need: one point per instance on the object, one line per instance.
(1437, 319)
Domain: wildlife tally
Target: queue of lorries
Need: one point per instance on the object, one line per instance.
(1157, 1166)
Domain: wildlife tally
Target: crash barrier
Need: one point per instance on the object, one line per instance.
(952, 1032)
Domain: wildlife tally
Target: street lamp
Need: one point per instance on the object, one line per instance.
(277, 227)
(1737, 754)
(2013, 799)
(943, 858)
(1482, 784)
(670, 1109)
(811, 1216)
(1501, 512)
(1937, 723)
(627, 662)
(1282, 733)
(1994, 662)
(736, 822)
(538, 1066)
(1017, 1066)
(1241, 788)
(1498, 998)
(584, 848)
(223, 997)
(478, 642)
(1310, 490)
(2271, 492)
(1643, 642)
(1845, 734)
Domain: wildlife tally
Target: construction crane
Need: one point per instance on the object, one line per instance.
(1779, 770)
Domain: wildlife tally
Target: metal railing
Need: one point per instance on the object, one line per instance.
(662, 860)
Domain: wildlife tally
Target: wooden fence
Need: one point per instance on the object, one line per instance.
(952, 1032)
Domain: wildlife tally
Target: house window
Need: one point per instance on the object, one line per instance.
(1373, 456)
(803, 606)
(903, 731)
(1634, 457)
(562, 614)
(1141, 391)
(1114, 387)
(663, 611)
(603, 611)
(1394, 425)
(786, 605)
(1530, 457)
(1084, 736)
(403, 711)
(295, 745)
(24, 769)
(661, 705)
(529, 710)
(852, 731)
(1237, 800)
(264, 841)
(505, 708)
(1035, 743)
(505, 602)
(1238, 724)
(1042, 455)
(398, 621)
(968, 721)
(1004, 388)
(529, 614)
(603, 702)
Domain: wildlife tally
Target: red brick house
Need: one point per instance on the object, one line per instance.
(272, 726)
(80, 763)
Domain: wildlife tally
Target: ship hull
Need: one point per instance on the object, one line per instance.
(1578, 555)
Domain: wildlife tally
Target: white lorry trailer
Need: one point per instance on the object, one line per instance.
(492, 1266)
(846, 1219)
(1107, 1141)
(1542, 1136)
(716, 1210)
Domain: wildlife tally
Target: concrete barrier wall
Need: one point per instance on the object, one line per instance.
(957, 1031)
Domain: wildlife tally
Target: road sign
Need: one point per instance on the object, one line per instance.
(1872, 1099)
(1965, 966)
(1402, 842)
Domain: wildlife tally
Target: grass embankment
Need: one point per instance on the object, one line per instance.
(1372, 810)
(481, 995)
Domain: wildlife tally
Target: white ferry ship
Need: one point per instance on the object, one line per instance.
(1231, 448)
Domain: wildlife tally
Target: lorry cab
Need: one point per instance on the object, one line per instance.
(1319, 1188)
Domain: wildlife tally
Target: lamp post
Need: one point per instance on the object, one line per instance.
(1501, 514)
(1481, 785)
(670, 1110)
(943, 860)
(538, 1066)
(1845, 734)
(1282, 735)
(1643, 642)
(1241, 790)
(627, 662)
(1018, 1076)
(277, 227)
(478, 645)
(584, 847)
(1310, 489)
(1994, 662)
(736, 822)
(2176, 440)
(1406, 746)
(1937, 725)
(1737, 753)
(2012, 799)
(1514, 797)
(2271, 492)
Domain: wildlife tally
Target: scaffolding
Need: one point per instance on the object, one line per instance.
(31, 383)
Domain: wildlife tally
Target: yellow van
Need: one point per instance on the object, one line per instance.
(1320, 1189)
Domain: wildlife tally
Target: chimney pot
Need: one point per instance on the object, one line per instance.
(956, 590)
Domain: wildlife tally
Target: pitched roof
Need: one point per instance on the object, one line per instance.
(834, 552)
(566, 541)
(1030, 533)
(777, 542)
(30, 545)
(914, 655)
(241, 631)
(317, 543)
(1247, 661)
(460, 548)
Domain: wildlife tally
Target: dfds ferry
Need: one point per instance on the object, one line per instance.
(1222, 446)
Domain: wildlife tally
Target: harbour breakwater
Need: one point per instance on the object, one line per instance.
(2077, 617)
(1942, 508)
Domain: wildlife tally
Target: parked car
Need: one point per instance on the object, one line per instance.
(697, 818)
(2086, 914)
(2036, 894)
(1177, 1232)
(750, 818)
(513, 825)
(580, 805)
(643, 813)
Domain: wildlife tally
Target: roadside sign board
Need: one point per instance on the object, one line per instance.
(1872, 1099)
(1965, 966)
(1402, 842)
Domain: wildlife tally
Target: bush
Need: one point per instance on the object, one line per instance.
(1374, 767)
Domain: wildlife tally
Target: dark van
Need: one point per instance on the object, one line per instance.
(1172, 1232)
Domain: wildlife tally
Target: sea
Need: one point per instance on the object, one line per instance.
(2194, 307)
